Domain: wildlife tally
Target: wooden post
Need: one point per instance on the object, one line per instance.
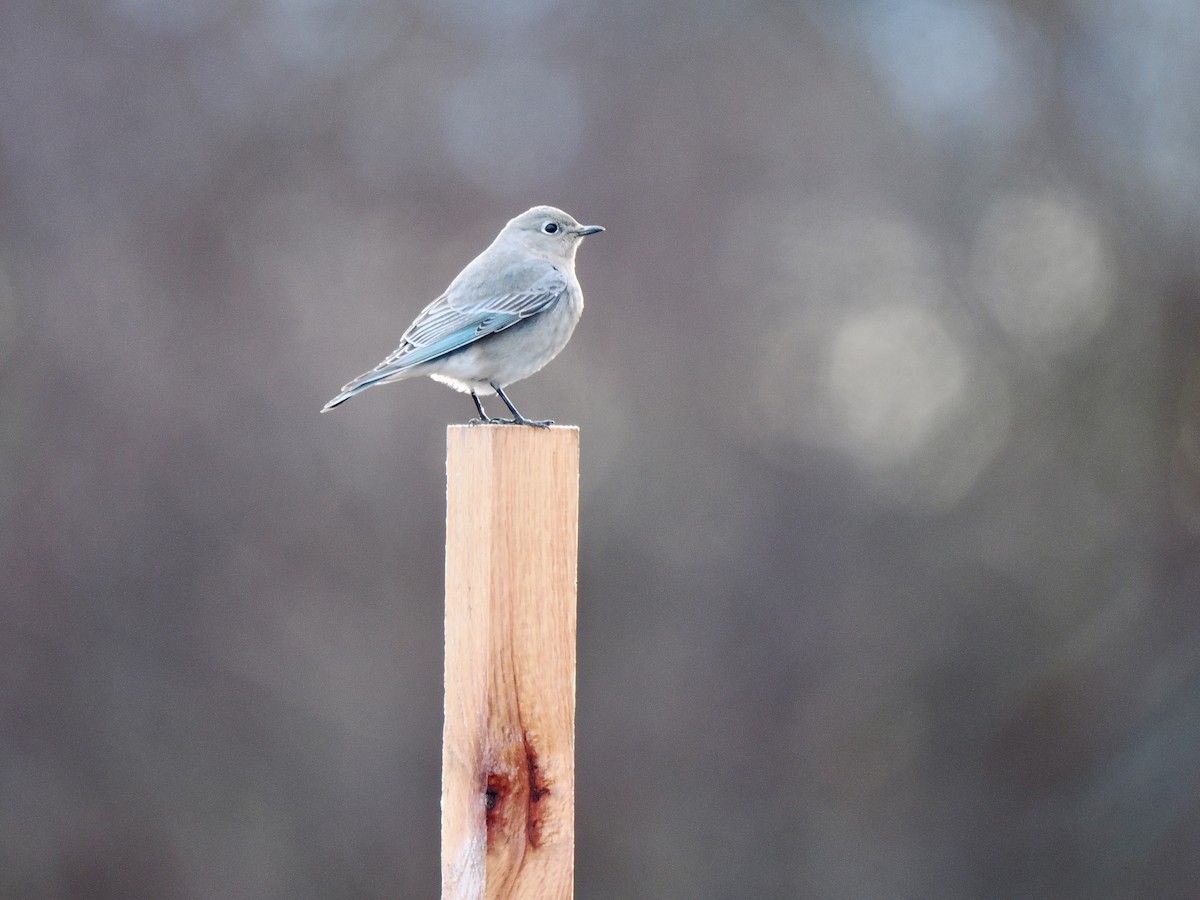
(508, 746)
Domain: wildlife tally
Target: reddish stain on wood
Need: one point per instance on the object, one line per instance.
(538, 789)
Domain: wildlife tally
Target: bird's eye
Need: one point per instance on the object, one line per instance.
(550, 227)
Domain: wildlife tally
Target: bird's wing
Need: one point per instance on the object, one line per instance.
(460, 317)
(454, 320)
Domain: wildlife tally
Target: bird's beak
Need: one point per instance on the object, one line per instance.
(585, 230)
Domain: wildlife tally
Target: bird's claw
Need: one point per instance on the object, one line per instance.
(545, 423)
(521, 421)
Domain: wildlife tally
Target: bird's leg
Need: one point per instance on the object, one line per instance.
(483, 419)
(517, 418)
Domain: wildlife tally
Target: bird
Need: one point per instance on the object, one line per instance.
(503, 317)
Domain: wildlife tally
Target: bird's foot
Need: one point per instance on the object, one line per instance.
(521, 420)
(485, 421)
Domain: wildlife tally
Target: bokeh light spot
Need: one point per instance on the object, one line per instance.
(1130, 82)
(893, 374)
(876, 361)
(955, 65)
(1041, 266)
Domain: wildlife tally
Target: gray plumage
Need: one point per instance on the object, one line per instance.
(507, 314)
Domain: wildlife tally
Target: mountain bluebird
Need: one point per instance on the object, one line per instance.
(507, 314)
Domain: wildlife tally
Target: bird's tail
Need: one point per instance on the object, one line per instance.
(360, 384)
(342, 398)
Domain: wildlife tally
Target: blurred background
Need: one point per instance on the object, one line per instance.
(889, 388)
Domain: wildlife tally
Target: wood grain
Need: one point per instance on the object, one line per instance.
(508, 747)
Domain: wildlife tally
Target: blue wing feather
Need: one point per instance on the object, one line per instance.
(461, 317)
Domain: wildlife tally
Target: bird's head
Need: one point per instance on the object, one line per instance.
(549, 232)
